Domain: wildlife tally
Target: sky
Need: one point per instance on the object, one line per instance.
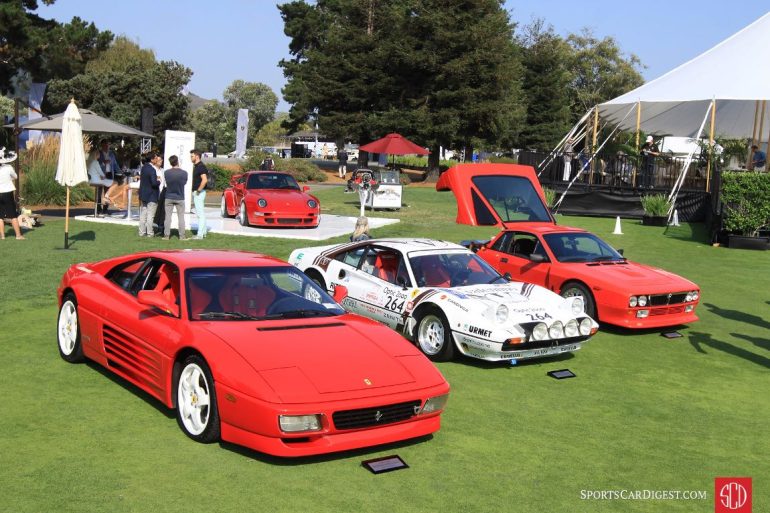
(243, 39)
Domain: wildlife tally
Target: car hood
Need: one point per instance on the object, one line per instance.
(282, 197)
(513, 293)
(303, 358)
(637, 278)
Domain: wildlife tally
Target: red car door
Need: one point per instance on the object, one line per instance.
(522, 255)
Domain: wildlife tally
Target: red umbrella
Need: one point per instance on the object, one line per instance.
(394, 144)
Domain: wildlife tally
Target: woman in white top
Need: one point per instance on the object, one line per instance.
(8, 208)
(97, 177)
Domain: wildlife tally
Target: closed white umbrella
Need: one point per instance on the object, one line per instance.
(72, 159)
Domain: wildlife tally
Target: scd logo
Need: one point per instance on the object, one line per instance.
(732, 495)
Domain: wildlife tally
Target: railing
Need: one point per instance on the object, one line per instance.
(619, 171)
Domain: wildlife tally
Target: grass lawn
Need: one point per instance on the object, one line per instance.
(644, 413)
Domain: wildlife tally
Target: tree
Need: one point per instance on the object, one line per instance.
(212, 124)
(599, 71)
(258, 98)
(272, 133)
(121, 57)
(44, 49)
(546, 58)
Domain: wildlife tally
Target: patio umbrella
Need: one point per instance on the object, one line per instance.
(91, 123)
(394, 144)
(72, 159)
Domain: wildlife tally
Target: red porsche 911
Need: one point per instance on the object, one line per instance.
(270, 198)
(248, 350)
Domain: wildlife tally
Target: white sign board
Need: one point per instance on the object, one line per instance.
(179, 144)
(385, 196)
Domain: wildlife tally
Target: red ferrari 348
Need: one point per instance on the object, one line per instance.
(249, 350)
(270, 198)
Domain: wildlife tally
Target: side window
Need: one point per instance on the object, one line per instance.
(523, 245)
(503, 242)
(123, 275)
(352, 257)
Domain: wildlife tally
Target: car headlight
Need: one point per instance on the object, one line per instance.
(502, 314)
(577, 305)
(642, 300)
(632, 301)
(312, 203)
(435, 404)
(556, 330)
(262, 203)
(571, 328)
(695, 295)
(299, 423)
(540, 331)
(585, 326)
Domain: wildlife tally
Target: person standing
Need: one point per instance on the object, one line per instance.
(176, 179)
(567, 154)
(8, 207)
(149, 192)
(160, 212)
(758, 158)
(342, 156)
(200, 180)
(649, 151)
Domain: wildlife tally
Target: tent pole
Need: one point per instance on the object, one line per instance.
(67, 221)
(16, 133)
(593, 143)
(753, 136)
(712, 144)
(638, 125)
(761, 125)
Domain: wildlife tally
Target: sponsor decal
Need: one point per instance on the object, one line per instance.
(473, 330)
(299, 257)
(371, 296)
(415, 292)
(457, 304)
(732, 495)
(394, 292)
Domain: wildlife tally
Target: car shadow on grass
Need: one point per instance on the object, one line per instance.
(698, 340)
(372, 451)
(737, 315)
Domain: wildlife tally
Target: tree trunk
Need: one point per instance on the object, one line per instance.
(433, 164)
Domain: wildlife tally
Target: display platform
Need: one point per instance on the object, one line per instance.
(329, 226)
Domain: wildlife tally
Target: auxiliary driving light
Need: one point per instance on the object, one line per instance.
(556, 330)
(540, 331)
(585, 326)
(571, 328)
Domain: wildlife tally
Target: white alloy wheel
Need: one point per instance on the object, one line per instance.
(194, 399)
(223, 207)
(431, 335)
(68, 330)
(243, 217)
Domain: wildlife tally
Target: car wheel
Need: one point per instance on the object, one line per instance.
(243, 217)
(68, 330)
(316, 278)
(434, 338)
(196, 401)
(573, 289)
(223, 208)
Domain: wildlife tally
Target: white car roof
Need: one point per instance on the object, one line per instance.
(410, 245)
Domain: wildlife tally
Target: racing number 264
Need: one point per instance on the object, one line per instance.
(394, 305)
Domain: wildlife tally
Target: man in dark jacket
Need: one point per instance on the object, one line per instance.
(176, 179)
(149, 187)
(342, 156)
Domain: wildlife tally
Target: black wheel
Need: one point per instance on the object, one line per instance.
(196, 401)
(68, 330)
(223, 208)
(573, 288)
(316, 278)
(434, 338)
(243, 217)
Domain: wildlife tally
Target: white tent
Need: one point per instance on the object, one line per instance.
(734, 73)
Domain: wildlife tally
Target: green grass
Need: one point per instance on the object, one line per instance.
(644, 412)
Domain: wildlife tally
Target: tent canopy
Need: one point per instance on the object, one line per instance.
(734, 73)
(91, 122)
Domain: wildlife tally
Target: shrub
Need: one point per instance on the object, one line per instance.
(222, 175)
(655, 205)
(38, 180)
(746, 200)
(550, 196)
(303, 170)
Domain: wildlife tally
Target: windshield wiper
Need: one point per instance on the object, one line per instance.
(296, 314)
(228, 315)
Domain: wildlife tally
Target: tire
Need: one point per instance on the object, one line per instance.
(196, 401)
(223, 208)
(434, 338)
(243, 217)
(316, 278)
(573, 288)
(68, 330)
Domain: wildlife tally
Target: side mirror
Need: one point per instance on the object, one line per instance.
(340, 293)
(402, 282)
(620, 251)
(305, 188)
(537, 258)
(157, 300)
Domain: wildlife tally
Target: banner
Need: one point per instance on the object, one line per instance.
(242, 132)
(36, 93)
(179, 144)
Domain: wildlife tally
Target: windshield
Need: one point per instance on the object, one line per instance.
(452, 270)
(272, 181)
(248, 293)
(514, 198)
(581, 247)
